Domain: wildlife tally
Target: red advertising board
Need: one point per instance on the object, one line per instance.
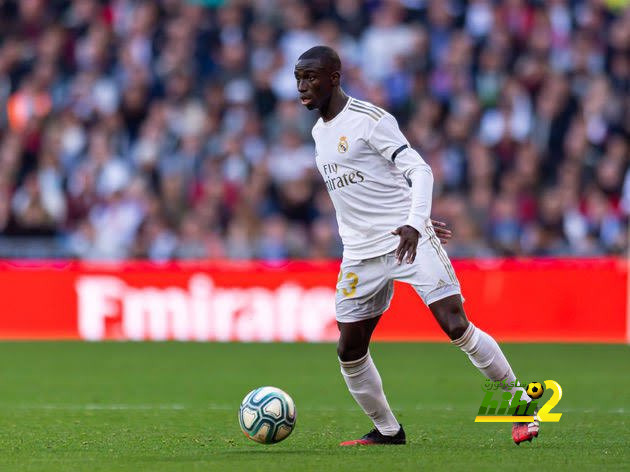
(516, 300)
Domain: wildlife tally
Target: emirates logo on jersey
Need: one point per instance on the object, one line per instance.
(334, 181)
(343, 145)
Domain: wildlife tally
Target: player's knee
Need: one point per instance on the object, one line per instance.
(350, 352)
(458, 325)
(452, 319)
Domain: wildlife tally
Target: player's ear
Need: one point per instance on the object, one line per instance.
(335, 78)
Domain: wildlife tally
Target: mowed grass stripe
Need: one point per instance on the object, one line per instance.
(172, 406)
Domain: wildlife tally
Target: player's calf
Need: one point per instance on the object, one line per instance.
(361, 376)
(485, 354)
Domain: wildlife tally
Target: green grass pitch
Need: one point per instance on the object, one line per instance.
(172, 407)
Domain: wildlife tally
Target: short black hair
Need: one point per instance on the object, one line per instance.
(326, 55)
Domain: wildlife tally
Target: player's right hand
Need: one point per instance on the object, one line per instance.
(408, 243)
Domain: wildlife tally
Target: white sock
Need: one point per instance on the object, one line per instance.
(486, 355)
(365, 385)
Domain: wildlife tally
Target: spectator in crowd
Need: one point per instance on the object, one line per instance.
(170, 128)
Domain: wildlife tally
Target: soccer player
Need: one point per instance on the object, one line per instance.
(381, 189)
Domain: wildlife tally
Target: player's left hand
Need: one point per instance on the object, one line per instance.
(442, 231)
(408, 243)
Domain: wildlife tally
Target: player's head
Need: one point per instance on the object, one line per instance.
(317, 72)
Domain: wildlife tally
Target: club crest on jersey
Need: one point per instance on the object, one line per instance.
(343, 145)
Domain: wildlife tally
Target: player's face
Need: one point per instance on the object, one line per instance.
(313, 83)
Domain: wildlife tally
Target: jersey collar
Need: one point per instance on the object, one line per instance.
(331, 122)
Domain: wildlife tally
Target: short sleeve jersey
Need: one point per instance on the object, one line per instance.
(356, 151)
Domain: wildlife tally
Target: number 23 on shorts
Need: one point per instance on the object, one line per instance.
(354, 280)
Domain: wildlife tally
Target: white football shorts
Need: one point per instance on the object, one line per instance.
(365, 287)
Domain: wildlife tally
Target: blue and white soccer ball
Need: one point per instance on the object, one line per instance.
(267, 415)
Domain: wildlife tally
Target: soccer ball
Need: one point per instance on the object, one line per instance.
(267, 415)
(535, 389)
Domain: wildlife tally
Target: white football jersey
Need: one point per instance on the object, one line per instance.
(366, 162)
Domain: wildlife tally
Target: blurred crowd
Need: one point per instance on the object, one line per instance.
(171, 129)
